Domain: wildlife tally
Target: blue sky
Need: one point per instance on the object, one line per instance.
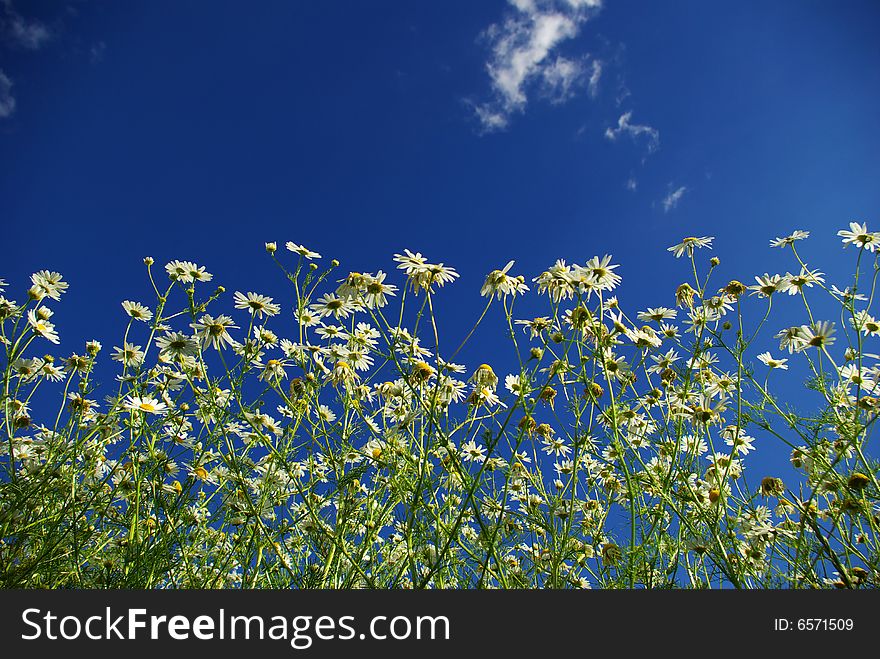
(475, 132)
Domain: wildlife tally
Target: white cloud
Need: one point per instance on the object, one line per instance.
(671, 200)
(635, 131)
(522, 46)
(7, 100)
(560, 79)
(632, 184)
(491, 120)
(20, 31)
(595, 76)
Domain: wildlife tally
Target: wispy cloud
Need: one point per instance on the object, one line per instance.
(651, 136)
(96, 52)
(22, 32)
(631, 184)
(561, 78)
(595, 76)
(522, 53)
(671, 200)
(7, 100)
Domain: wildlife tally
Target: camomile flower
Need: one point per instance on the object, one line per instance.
(289, 348)
(364, 335)
(421, 274)
(306, 317)
(272, 370)
(700, 317)
(330, 331)
(472, 452)
(77, 363)
(201, 473)
(498, 283)
(337, 352)
(177, 345)
(766, 285)
(50, 371)
(602, 272)
(353, 285)
(438, 274)
(450, 390)
(410, 263)
(657, 314)
(146, 404)
(536, 326)
(8, 308)
(848, 295)
(79, 404)
(38, 320)
(794, 284)
(557, 282)
(359, 359)
(49, 283)
(484, 396)
(611, 303)
(331, 304)
(450, 367)
(25, 369)
(789, 339)
(664, 361)
(260, 419)
(258, 305)
(325, 414)
(853, 375)
(250, 349)
(859, 235)
(645, 337)
(306, 351)
(187, 272)
(377, 291)
(817, 335)
(767, 360)
(343, 374)
(265, 337)
(865, 322)
(693, 444)
(137, 310)
(688, 245)
(285, 411)
(669, 331)
(373, 449)
(129, 354)
(215, 331)
(790, 239)
(484, 376)
(720, 304)
(583, 282)
(513, 385)
(723, 464)
(302, 251)
(555, 446)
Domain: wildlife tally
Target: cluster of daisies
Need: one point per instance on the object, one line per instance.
(328, 443)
